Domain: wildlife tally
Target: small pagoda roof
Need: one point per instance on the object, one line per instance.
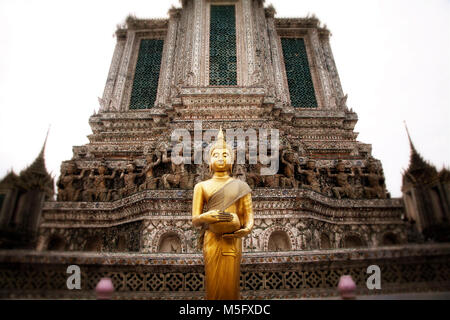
(33, 177)
(419, 171)
(10, 180)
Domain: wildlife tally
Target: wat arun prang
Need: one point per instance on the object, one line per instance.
(123, 206)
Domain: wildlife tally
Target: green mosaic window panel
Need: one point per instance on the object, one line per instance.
(222, 46)
(145, 84)
(301, 88)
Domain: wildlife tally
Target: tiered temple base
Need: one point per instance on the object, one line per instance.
(302, 218)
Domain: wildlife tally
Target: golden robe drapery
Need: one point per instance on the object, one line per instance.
(223, 255)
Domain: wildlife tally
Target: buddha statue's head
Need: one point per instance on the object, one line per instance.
(220, 155)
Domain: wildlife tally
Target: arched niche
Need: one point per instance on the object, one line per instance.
(352, 241)
(325, 242)
(94, 244)
(279, 241)
(389, 239)
(56, 243)
(122, 243)
(170, 243)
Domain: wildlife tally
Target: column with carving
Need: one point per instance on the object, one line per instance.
(251, 74)
(182, 60)
(193, 76)
(331, 66)
(262, 52)
(105, 102)
(319, 61)
(282, 92)
(180, 45)
(168, 58)
(116, 100)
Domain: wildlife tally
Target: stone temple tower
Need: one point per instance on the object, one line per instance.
(229, 64)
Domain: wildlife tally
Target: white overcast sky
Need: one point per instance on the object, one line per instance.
(393, 58)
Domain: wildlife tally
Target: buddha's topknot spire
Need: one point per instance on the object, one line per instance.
(221, 139)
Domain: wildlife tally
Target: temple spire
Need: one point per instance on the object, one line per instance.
(416, 161)
(419, 169)
(414, 153)
(42, 153)
(38, 166)
(409, 137)
(35, 176)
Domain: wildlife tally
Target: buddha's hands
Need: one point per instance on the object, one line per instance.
(237, 234)
(215, 216)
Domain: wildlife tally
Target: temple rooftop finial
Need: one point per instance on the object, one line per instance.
(35, 176)
(41, 154)
(419, 169)
(413, 149)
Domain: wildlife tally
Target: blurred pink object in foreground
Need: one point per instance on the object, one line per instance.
(104, 289)
(347, 287)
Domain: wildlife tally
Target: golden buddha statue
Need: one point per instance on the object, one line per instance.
(222, 205)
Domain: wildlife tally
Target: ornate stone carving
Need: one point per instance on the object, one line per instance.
(129, 177)
(67, 189)
(105, 101)
(374, 188)
(312, 175)
(121, 76)
(343, 186)
(102, 192)
(153, 160)
(290, 160)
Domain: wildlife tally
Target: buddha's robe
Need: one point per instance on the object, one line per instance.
(222, 256)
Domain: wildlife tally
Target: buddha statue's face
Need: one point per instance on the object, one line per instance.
(221, 160)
